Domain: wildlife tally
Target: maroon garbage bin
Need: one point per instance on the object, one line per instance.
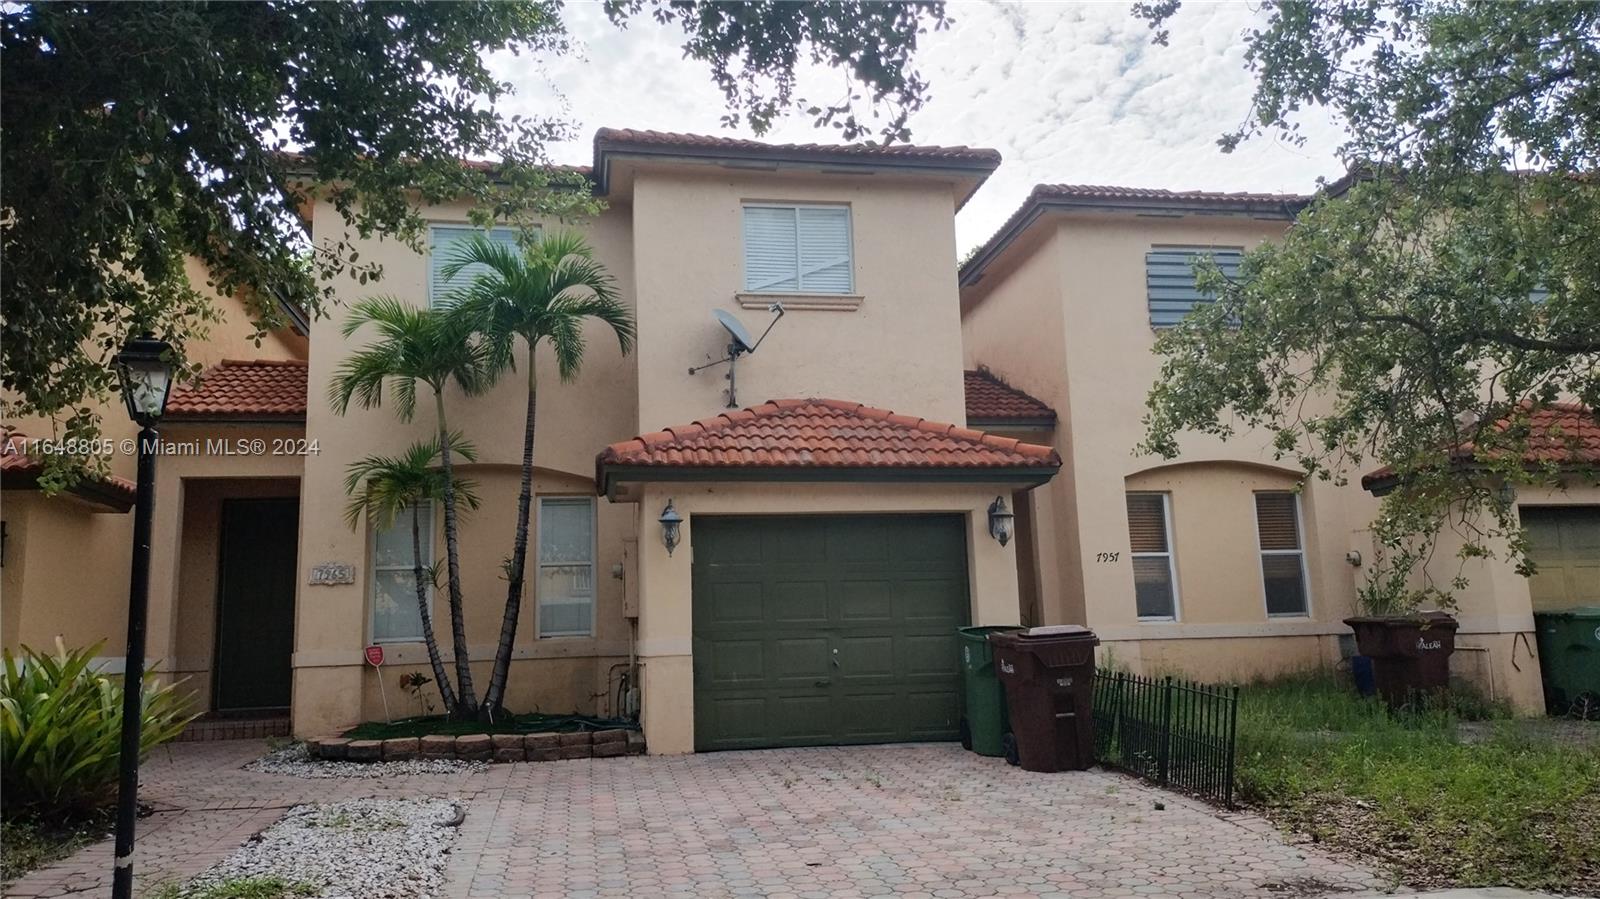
(1048, 674)
(1410, 654)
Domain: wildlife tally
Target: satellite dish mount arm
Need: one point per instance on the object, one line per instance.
(737, 348)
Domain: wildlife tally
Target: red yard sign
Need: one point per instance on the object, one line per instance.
(374, 655)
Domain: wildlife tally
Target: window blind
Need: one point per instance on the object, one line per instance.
(1277, 522)
(442, 240)
(1147, 522)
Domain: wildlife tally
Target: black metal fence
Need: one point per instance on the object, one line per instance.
(1174, 733)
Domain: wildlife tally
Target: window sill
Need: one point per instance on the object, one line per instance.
(834, 302)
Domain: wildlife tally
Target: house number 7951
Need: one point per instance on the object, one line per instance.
(1106, 557)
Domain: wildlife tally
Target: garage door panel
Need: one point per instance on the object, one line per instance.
(801, 540)
(799, 603)
(731, 662)
(931, 602)
(880, 595)
(930, 542)
(869, 717)
(931, 715)
(864, 601)
(867, 656)
(927, 655)
(735, 605)
(797, 658)
(866, 540)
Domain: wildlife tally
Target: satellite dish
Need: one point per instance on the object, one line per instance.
(739, 343)
(736, 330)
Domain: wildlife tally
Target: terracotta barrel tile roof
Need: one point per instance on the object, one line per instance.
(257, 388)
(1112, 192)
(622, 138)
(1562, 433)
(822, 434)
(992, 401)
(18, 469)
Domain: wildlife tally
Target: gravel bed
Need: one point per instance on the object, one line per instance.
(295, 761)
(360, 849)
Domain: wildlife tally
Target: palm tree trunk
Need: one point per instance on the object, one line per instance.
(467, 707)
(495, 698)
(442, 679)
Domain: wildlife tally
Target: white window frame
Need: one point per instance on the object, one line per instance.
(799, 276)
(540, 565)
(434, 228)
(1171, 555)
(402, 522)
(1300, 535)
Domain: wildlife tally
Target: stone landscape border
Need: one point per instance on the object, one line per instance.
(545, 747)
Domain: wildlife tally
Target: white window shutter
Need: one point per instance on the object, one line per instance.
(824, 249)
(769, 249)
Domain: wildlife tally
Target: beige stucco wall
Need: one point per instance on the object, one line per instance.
(899, 350)
(575, 420)
(667, 585)
(1014, 323)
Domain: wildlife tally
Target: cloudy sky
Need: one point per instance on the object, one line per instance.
(1067, 92)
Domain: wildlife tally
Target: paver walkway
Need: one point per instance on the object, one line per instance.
(907, 821)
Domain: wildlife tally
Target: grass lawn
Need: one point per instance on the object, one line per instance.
(532, 723)
(1516, 804)
(25, 845)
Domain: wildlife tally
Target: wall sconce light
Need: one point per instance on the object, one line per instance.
(1354, 558)
(671, 525)
(1507, 494)
(1000, 520)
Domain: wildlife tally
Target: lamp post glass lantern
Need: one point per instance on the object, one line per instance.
(145, 371)
(146, 376)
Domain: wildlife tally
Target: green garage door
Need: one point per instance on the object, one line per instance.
(1564, 541)
(821, 630)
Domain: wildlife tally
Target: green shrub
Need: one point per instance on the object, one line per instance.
(60, 727)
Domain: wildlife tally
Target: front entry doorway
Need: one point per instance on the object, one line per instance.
(255, 605)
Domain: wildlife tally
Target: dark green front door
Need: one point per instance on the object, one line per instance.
(819, 630)
(255, 604)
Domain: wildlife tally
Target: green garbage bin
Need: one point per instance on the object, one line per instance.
(985, 720)
(1569, 657)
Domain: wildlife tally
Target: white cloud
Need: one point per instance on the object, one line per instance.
(1067, 92)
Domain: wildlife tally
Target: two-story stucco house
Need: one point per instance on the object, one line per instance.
(1224, 563)
(829, 546)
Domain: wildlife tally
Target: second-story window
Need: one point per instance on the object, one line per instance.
(1169, 279)
(442, 239)
(797, 249)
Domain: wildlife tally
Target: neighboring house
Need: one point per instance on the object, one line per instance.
(1223, 563)
(829, 547)
(66, 558)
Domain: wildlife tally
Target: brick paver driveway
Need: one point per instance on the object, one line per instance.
(920, 820)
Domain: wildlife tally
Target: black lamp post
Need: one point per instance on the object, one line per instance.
(145, 371)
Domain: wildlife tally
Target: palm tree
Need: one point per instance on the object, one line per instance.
(381, 488)
(434, 348)
(543, 293)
